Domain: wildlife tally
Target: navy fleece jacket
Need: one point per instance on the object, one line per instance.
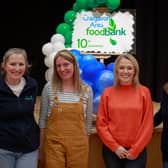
(18, 130)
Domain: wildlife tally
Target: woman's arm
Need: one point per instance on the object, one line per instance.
(41, 148)
(89, 110)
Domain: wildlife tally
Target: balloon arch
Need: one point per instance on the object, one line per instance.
(93, 72)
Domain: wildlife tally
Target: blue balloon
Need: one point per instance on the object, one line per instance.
(110, 66)
(90, 70)
(75, 52)
(77, 55)
(96, 101)
(80, 72)
(90, 84)
(100, 66)
(104, 79)
(87, 59)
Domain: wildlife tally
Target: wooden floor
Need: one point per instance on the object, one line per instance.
(95, 156)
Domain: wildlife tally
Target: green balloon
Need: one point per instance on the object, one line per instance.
(100, 1)
(68, 37)
(92, 3)
(67, 45)
(81, 10)
(76, 7)
(69, 17)
(113, 4)
(83, 4)
(62, 28)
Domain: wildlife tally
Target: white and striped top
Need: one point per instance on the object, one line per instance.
(47, 102)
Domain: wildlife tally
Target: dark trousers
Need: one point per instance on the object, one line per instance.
(113, 161)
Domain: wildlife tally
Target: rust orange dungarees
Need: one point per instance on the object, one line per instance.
(66, 141)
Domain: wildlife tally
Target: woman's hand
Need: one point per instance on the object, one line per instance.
(130, 157)
(121, 152)
(41, 158)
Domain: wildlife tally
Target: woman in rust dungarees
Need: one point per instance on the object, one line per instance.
(65, 116)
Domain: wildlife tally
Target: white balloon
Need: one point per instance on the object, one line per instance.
(49, 74)
(47, 49)
(57, 38)
(58, 46)
(49, 60)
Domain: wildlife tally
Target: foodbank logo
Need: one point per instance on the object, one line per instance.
(111, 31)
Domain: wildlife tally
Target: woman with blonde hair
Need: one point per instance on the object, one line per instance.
(65, 116)
(125, 117)
(19, 132)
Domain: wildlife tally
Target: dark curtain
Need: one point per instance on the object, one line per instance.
(151, 44)
(31, 24)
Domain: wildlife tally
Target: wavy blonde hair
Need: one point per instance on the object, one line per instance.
(133, 60)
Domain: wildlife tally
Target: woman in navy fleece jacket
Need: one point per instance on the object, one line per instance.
(19, 133)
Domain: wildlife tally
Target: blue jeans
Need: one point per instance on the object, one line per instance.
(165, 164)
(10, 159)
(113, 161)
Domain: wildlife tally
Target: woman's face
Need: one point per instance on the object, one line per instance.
(125, 71)
(14, 68)
(64, 68)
